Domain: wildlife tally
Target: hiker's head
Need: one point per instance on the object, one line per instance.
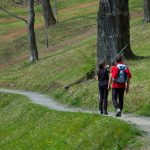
(113, 63)
(119, 58)
(102, 65)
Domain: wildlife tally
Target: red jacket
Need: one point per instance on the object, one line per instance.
(114, 74)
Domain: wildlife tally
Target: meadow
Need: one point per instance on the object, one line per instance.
(70, 55)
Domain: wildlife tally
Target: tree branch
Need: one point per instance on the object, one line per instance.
(13, 15)
(89, 75)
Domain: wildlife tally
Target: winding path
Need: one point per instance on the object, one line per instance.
(142, 123)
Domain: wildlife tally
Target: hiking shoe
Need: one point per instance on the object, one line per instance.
(101, 112)
(106, 113)
(118, 113)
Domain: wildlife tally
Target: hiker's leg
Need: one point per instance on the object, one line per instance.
(114, 97)
(121, 95)
(105, 100)
(101, 97)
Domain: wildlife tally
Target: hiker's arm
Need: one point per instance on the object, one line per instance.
(109, 82)
(128, 79)
(96, 77)
(127, 85)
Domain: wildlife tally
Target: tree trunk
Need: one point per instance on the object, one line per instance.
(55, 8)
(147, 11)
(113, 30)
(32, 39)
(48, 13)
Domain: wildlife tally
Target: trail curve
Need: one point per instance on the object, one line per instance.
(143, 123)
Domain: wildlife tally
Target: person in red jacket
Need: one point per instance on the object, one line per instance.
(120, 79)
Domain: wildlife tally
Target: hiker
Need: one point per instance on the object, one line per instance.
(103, 78)
(120, 79)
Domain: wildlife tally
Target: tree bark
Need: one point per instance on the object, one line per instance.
(113, 30)
(32, 39)
(48, 13)
(147, 11)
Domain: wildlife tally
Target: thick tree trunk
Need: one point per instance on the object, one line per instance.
(113, 30)
(48, 13)
(147, 11)
(32, 39)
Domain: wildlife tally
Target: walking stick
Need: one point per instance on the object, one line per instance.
(122, 50)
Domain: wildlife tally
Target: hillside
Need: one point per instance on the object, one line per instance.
(30, 126)
(71, 54)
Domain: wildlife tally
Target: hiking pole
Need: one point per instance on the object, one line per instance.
(122, 50)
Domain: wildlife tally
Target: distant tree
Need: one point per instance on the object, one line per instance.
(30, 25)
(32, 38)
(147, 11)
(113, 30)
(48, 13)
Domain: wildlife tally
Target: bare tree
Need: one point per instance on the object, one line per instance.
(113, 30)
(147, 11)
(32, 39)
(48, 13)
(30, 25)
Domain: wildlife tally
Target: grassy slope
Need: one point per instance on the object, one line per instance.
(71, 62)
(77, 22)
(29, 126)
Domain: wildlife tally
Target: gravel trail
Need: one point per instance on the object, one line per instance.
(143, 123)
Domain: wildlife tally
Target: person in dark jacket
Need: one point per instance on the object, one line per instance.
(103, 78)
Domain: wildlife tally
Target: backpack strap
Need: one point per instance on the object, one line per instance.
(122, 66)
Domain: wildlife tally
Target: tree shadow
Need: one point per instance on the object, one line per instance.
(139, 58)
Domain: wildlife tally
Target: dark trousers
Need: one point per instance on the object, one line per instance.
(117, 97)
(103, 91)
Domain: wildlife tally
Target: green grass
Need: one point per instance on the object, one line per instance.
(72, 61)
(23, 10)
(29, 126)
(136, 5)
(67, 65)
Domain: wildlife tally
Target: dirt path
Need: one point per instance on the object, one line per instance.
(79, 6)
(143, 123)
(53, 48)
(17, 32)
